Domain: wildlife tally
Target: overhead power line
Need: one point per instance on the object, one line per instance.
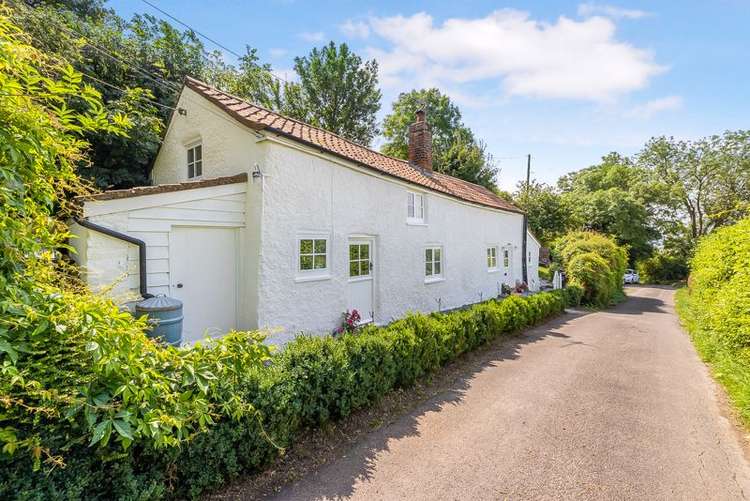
(206, 37)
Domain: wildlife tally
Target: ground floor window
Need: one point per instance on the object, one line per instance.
(313, 254)
(491, 258)
(433, 262)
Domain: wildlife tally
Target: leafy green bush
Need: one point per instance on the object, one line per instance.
(546, 273)
(715, 308)
(595, 263)
(315, 379)
(661, 268)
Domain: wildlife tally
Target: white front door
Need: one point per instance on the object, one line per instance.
(507, 264)
(203, 275)
(361, 278)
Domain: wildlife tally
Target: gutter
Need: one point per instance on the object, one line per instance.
(126, 238)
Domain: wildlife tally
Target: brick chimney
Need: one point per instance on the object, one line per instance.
(420, 143)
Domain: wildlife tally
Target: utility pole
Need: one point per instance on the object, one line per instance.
(524, 249)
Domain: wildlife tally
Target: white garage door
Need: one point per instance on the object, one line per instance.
(203, 275)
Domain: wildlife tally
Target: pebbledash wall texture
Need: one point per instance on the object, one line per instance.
(295, 190)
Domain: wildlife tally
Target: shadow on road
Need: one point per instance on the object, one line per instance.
(358, 462)
(640, 301)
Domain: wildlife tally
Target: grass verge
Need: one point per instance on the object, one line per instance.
(728, 367)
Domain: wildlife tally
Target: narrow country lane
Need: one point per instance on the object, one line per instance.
(607, 405)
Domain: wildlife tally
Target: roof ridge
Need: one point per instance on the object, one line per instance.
(300, 122)
(337, 145)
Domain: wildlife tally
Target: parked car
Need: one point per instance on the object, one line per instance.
(631, 277)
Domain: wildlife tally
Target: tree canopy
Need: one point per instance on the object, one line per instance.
(336, 91)
(455, 150)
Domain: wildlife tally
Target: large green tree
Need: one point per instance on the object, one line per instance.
(547, 213)
(336, 91)
(455, 150)
(615, 197)
(707, 180)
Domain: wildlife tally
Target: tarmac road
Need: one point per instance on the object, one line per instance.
(606, 405)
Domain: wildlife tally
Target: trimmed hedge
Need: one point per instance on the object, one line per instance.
(715, 309)
(313, 381)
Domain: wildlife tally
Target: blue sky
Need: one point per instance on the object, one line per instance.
(566, 82)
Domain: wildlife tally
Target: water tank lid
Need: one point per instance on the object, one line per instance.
(159, 303)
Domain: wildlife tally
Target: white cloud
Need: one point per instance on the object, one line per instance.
(566, 59)
(597, 9)
(651, 108)
(355, 29)
(312, 36)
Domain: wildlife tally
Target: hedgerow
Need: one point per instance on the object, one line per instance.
(595, 263)
(313, 381)
(716, 308)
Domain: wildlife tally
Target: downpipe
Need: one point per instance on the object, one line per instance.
(125, 238)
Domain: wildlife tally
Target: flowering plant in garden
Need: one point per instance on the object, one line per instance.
(350, 322)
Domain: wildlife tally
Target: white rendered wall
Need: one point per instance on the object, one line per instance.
(228, 147)
(308, 193)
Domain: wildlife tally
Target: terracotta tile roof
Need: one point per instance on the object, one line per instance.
(259, 118)
(166, 188)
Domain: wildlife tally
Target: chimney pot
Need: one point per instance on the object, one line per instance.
(420, 143)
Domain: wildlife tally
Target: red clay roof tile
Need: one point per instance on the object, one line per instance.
(259, 118)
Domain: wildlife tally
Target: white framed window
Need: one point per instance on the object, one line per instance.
(492, 258)
(195, 160)
(433, 263)
(312, 255)
(506, 258)
(415, 211)
(529, 261)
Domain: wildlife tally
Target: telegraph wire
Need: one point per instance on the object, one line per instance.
(221, 46)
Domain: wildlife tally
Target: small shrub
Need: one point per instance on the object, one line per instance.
(595, 263)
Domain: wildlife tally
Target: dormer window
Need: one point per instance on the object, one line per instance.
(415, 208)
(195, 160)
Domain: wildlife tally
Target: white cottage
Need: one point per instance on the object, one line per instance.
(256, 220)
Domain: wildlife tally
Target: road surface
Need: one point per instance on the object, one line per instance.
(607, 405)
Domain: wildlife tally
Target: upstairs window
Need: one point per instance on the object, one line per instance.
(313, 254)
(491, 258)
(433, 263)
(195, 161)
(415, 207)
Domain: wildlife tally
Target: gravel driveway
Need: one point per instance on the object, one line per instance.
(607, 405)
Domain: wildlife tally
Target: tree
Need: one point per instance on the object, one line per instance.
(708, 179)
(138, 66)
(548, 215)
(455, 150)
(468, 159)
(617, 198)
(444, 118)
(336, 91)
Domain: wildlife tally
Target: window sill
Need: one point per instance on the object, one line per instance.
(415, 222)
(493, 270)
(434, 280)
(360, 279)
(312, 278)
